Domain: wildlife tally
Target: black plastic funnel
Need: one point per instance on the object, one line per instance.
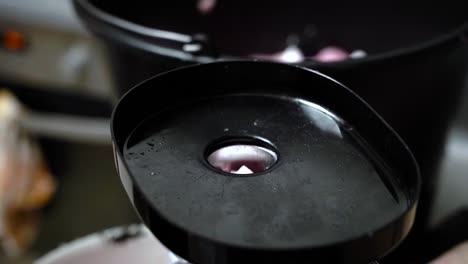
(242, 162)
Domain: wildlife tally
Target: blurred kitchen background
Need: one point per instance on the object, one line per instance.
(61, 74)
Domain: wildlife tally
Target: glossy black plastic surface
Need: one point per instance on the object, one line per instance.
(243, 27)
(344, 189)
(416, 66)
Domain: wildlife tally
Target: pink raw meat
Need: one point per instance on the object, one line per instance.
(205, 6)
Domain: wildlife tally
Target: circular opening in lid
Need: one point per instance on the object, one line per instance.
(240, 157)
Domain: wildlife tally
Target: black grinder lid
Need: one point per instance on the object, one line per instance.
(332, 183)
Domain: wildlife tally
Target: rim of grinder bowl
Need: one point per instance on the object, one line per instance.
(246, 76)
(133, 34)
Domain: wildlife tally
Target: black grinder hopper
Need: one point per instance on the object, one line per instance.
(241, 162)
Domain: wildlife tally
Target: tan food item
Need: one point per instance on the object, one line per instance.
(26, 184)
